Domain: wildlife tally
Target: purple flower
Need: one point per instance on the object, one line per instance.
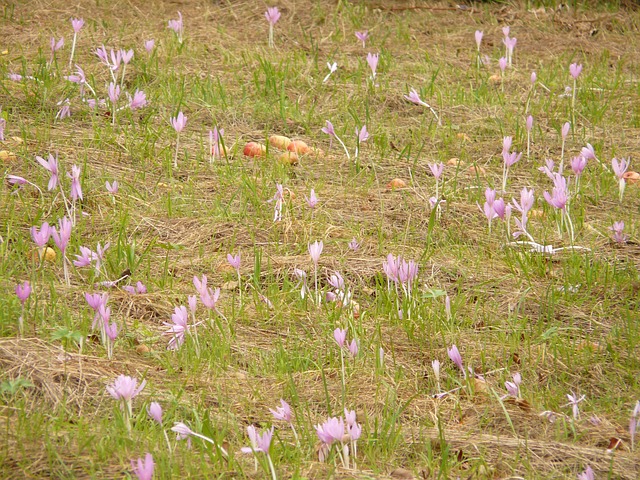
(436, 169)
(55, 46)
(362, 36)
(178, 123)
(208, 297)
(588, 474)
(139, 100)
(506, 144)
(234, 260)
(193, 303)
(574, 400)
(215, 136)
(112, 188)
(259, 443)
(312, 201)
(78, 77)
(23, 290)
(283, 412)
(588, 152)
(315, 250)
(65, 109)
(41, 236)
(113, 92)
(513, 388)
(353, 347)
(331, 431)
(479, 35)
(505, 30)
(362, 134)
(502, 63)
(77, 24)
(511, 158)
(111, 330)
(50, 165)
(633, 423)
(578, 165)
(116, 59)
(575, 69)
(617, 230)
(61, 237)
(76, 189)
(125, 388)
(526, 201)
(354, 245)
(272, 15)
(127, 55)
(534, 77)
(529, 123)
(372, 60)
(328, 129)
(101, 52)
(178, 328)
(620, 167)
(143, 469)
(456, 358)
(148, 45)
(14, 77)
(559, 195)
(155, 412)
(177, 26)
(414, 97)
(336, 281)
(85, 258)
(16, 180)
(340, 336)
(565, 130)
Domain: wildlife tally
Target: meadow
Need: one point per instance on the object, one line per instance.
(341, 239)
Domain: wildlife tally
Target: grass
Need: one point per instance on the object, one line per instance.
(567, 322)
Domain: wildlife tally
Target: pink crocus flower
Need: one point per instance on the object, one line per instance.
(179, 122)
(315, 250)
(505, 30)
(77, 24)
(617, 230)
(41, 235)
(283, 412)
(559, 195)
(340, 335)
(148, 45)
(143, 469)
(436, 169)
(502, 63)
(588, 152)
(534, 77)
(588, 474)
(574, 400)
(259, 443)
(62, 235)
(23, 290)
(272, 15)
(178, 328)
(51, 165)
(575, 69)
(578, 165)
(127, 55)
(529, 123)
(113, 92)
(55, 46)
(619, 168)
(362, 36)
(353, 348)
(372, 60)
(354, 244)
(479, 35)
(138, 100)
(76, 188)
(565, 130)
(454, 355)
(177, 26)
(312, 201)
(155, 412)
(362, 134)
(112, 188)
(234, 260)
(125, 388)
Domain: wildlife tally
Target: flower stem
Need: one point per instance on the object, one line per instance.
(175, 158)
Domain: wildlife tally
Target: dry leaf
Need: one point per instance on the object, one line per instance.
(454, 162)
(495, 78)
(254, 149)
(7, 156)
(402, 474)
(463, 136)
(279, 141)
(299, 147)
(396, 183)
(142, 349)
(476, 170)
(631, 177)
(289, 158)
